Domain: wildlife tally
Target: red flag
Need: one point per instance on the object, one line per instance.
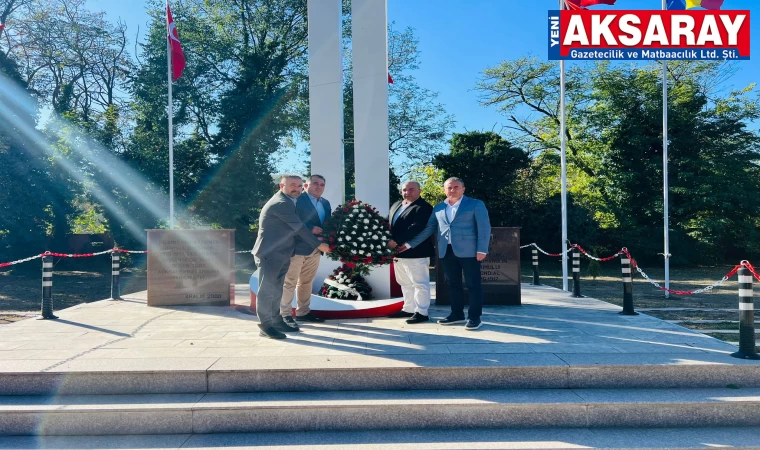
(390, 80)
(178, 57)
(2, 26)
(582, 4)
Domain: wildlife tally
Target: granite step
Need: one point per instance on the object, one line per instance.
(371, 373)
(496, 438)
(378, 410)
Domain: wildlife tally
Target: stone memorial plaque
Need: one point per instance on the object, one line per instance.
(190, 267)
(500, 271)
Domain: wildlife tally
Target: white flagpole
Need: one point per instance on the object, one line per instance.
(170, 114)
(563, 160)
(666, 252)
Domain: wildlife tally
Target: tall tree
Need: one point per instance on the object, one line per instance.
(615, 149)
(489, 166)
(28, 193)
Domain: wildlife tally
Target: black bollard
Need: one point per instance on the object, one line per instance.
(115, 287)
(536, 281)
(746, 317)
(627, 288)
(47, 289)
(576, 273)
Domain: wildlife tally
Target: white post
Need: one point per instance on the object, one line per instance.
(326, 96)
(370, 53)
(563, 161)
(170, 114)
(666, 251)
(326, 107)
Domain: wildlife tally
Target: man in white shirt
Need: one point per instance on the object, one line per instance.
(408, 218)
(463, 234)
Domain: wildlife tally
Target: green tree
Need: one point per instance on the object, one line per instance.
(29, 195)
(489, 166)
(615, 151)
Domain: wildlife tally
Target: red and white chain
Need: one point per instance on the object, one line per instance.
(20, 261)
(749, 267)
(533, 244)
(606, 258)
(77, 255)
(676, 292)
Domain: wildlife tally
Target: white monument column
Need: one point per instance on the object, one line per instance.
(326, 96)
(326, 106)
(370, 71)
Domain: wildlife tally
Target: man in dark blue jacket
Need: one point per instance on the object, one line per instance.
(313, 209)
(408, 218)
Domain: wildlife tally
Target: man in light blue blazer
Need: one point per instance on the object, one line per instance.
(464, 233)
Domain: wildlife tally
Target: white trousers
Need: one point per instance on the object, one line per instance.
(414, 277)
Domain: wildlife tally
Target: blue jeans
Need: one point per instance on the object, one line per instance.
(453, 267)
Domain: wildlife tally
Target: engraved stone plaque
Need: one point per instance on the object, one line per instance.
(499, 272)
(190, 267)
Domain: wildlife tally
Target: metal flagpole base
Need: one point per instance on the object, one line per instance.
(628, 313)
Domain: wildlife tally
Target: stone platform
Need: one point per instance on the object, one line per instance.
(120, 367)
(552, 341)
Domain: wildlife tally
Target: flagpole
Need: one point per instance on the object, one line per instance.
(666, 251)
(170, 114)
(563, 160)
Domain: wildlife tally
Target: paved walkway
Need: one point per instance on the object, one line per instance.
(550, 328)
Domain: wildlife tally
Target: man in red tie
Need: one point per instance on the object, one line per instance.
(408, 218)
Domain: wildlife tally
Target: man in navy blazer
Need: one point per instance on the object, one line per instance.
(464, 233)
(313, 209)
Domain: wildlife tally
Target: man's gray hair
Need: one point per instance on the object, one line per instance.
(419, 186)
(458, 180)
(284, 178)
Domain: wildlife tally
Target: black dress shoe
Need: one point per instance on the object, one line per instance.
(270, 332)
(288, 325)
(309, 317)
(418, 318)
(401, 315)
(451, 320)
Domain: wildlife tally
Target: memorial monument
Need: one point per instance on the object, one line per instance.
(191, 267)
(369, 32)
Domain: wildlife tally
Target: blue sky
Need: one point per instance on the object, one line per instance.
(458, 39)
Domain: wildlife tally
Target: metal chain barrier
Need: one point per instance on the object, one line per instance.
(31, 258)
(624, 251)
(588, 255)
(533, 244)
(676, 292)
(749, 267)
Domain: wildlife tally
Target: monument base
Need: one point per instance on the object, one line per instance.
(499, 272)
(331, 308)
(191, 267)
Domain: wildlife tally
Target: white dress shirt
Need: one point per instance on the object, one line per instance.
(400, 211)
(451, 212)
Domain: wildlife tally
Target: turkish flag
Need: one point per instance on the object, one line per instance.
(178, 57)
(390, 80)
